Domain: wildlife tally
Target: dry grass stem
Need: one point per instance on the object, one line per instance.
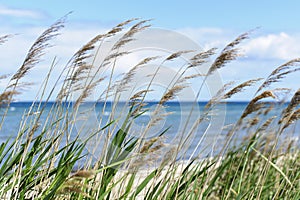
(288, 111)
(266, 124)
(219, 95)
(148, 144)
(128, 36)
(229, 53)
(37, 50)
(240, 88)
(201, 57)
(253, 106)
(128, 77)
(6, 97)
(4, 38)
(86, 92)
(83, 174)
(281, 72)
(254, 121)
(177, 54)
(139, 94)
(121, 26)
(171, 93)
(294, 117)
(4, 76)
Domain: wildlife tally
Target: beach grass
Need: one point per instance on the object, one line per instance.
(42, 161)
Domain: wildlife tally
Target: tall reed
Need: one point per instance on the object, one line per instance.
(56, 154)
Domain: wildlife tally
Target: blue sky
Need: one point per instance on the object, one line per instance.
(209, 23)
(271, 15)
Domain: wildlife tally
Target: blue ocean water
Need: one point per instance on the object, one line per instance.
(184, 122)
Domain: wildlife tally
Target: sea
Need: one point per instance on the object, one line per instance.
(200, 132)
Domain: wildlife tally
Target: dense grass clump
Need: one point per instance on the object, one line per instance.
(56, 155)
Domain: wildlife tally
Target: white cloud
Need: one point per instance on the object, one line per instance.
(13, 12)
(279, 46)
(282, 46)
(263, 53)
(209, 37)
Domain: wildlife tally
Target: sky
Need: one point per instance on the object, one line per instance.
(206, 23)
